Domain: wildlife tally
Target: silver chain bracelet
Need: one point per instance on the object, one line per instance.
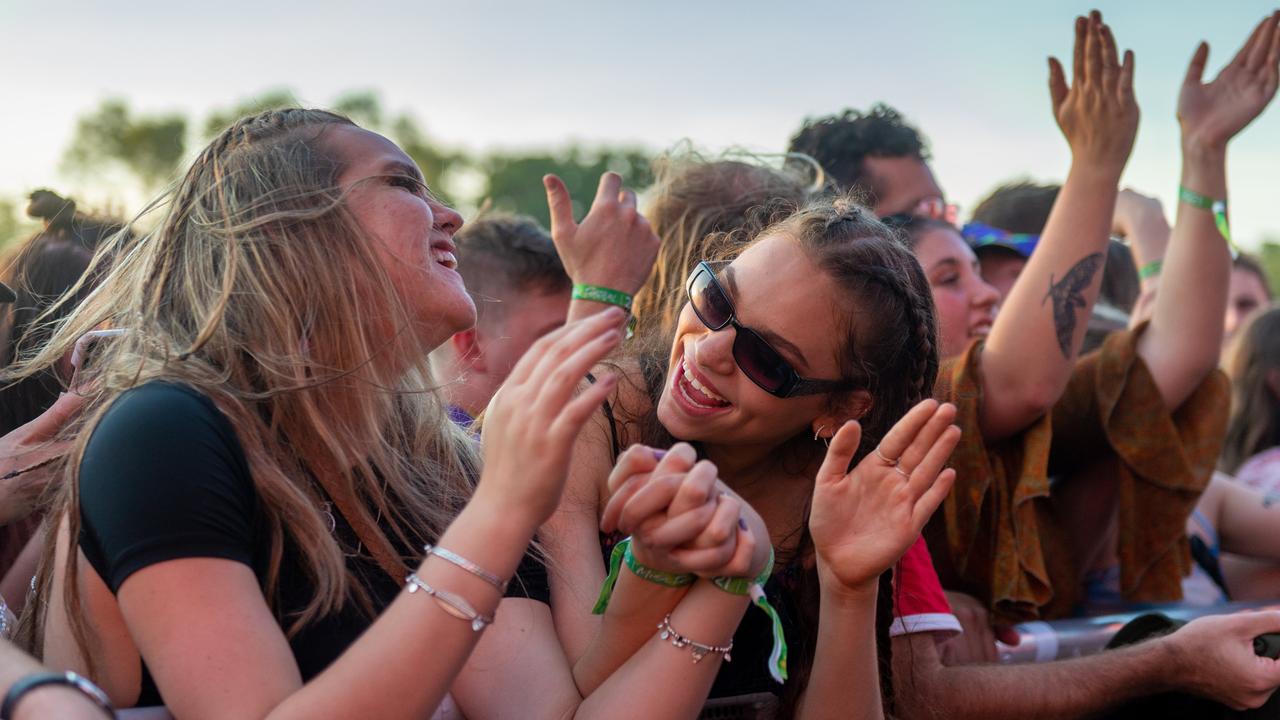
(668, 633)
(455, 605)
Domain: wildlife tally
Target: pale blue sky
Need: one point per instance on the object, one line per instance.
(481, 74)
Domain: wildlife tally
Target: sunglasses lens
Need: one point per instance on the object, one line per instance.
(760, 362)
(709, 300)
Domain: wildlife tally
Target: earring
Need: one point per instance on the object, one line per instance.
(817, 435)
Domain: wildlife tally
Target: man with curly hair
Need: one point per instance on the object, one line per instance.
(876, 154)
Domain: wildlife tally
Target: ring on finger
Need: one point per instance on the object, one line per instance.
(897, 467)
(885, 460)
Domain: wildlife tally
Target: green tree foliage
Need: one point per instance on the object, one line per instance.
(514, 181)
(149, 146)
(1269, 254)
(10, 225)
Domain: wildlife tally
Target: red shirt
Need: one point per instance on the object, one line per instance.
(918, 602)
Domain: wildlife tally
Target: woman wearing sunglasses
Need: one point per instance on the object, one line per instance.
(820, 332)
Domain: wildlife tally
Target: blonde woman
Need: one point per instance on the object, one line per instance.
(264, 459)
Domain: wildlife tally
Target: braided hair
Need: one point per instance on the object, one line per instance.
(888, 348)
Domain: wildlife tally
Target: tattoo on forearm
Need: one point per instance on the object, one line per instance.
(1068, 296)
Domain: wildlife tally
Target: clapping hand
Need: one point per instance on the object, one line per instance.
(1213, 113)
(1097, 112)
(27, 456)
(863, 521)
(535, 417)
(681, 518)
(613, 246)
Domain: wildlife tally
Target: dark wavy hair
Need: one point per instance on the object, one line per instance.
(886, 346)
(840, 143)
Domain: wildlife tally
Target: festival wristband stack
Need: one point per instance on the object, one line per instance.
(1217, 207)
(622, 554)
(755, 589)
(606, 296)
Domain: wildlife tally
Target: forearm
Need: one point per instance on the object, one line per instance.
(845, 680)
(403, 665)
(1074, 688)
(664, 681)
(1032, 348)
(1183, 341)
(634, 611)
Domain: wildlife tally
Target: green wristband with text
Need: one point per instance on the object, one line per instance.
(754, 588)
(607, 296)
(1150, 270)
(622, 555)
(1217, 207)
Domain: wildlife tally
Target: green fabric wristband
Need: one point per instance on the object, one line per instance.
(1204, 202)
(1150, 270)
(605, 295)
(755, 589)
(622, 554)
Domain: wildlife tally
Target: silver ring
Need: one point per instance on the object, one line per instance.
(885, 460)
(898, 469)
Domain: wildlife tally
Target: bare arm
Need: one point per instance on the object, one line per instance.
(1030, 353)
(862, 522)
(1211, 657)
(1183, 342)
(49, 701)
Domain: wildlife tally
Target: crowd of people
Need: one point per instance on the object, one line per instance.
(752, 442)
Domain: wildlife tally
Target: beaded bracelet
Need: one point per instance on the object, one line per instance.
(455, 605)
(622, 554)
(754, 587)
(699, 650)
(465, 564)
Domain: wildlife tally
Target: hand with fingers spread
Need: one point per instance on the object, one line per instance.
(1097, 112)
(862, 521)
(681, 518)
(1212, 113)
(613, 246)
(535, 417)
(28, 455)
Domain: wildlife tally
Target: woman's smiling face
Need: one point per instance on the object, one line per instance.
(778, 292)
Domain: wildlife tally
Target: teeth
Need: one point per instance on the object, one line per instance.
(446, 259)
(701, 388)
(685, 393)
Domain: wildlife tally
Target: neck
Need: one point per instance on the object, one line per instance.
(464, 387)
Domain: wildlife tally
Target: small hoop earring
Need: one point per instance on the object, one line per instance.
(817, 435)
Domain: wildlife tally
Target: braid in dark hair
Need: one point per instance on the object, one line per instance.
(889, 350)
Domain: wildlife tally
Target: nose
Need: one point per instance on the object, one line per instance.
(446, 218)
(985, 294)
(714, 351)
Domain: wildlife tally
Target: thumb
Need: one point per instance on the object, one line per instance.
(843, 445)
(48, 423)
(1007, 635)
(1195, 71)
(1057, 84)
(560, 205)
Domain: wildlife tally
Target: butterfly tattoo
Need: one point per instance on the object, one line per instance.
(1068, 296)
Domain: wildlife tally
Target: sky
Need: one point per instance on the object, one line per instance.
(482, 74)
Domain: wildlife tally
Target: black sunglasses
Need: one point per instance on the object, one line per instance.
(757, 359)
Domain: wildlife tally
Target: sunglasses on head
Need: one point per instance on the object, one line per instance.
(757, 359)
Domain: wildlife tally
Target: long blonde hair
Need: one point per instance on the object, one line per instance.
(1255, 404)
(260, 290)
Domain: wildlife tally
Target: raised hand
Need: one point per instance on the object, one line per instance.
(534, 418)
(1097, 112)
(27, 456)
(613, 247)
(1213, 113)
(863, 521)
(681, 518)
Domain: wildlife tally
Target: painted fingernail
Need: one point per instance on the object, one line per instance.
(742, 523)
(659, 454)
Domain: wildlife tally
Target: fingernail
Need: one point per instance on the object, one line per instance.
(659, 454)
(742, 523)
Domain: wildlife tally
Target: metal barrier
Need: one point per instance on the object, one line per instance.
(1061, 639)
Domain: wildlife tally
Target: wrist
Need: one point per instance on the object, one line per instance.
(498, 517)
(838, 594)
(1198, 149)
(1096, 173)
(57, 701)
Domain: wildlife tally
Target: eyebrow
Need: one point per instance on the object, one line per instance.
(401, 167)
(773, 337)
